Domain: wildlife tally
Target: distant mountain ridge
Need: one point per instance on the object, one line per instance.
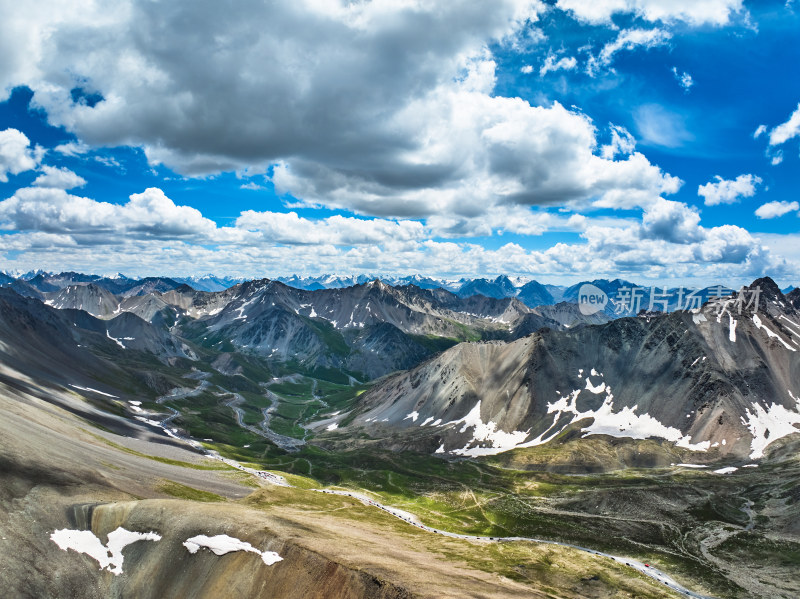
(367, 330)
(371, 328)
(532, 293)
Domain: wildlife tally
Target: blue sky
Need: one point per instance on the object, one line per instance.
(650, 139)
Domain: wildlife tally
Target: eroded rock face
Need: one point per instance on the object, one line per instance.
(161, 566)
(167, 569)
(56, 474)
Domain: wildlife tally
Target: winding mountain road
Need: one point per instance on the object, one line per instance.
(645, 569)
(263, 430)
(407, 517)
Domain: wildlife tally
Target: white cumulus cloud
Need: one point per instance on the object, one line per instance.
(289, 228)
(146, 214)
(495, 150)
(552, 63)
(72, 148)
(622, 143)
(672, 221)
(786, 131)
(16, 154)
(693, 12)
(722, 191)
(776, 209)
(61, 178)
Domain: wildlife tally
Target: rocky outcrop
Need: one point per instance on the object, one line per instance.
(794, 297)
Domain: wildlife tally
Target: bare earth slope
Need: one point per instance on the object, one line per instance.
(59, 472)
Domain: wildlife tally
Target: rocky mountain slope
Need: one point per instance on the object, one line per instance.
(371, 328)
(794, 297)
(534, 294)
(717, 382)
(97, 301)
(498, 288)
(569, 315)
(49, 343)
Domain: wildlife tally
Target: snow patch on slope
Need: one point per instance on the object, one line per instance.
(79, 388)
(728, 470)
(499, 441)
(597, 390)
(222, 544)
(770, 332)
(413, 415)
(115, 340)
(109, 556)
(625, 423)
(769, 424)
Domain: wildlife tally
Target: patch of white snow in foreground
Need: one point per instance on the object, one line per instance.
(332, 427)
(109, 556)
(728, 470)
(222, 544)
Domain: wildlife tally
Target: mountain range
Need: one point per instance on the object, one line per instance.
(478, 375)
(624, 297)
